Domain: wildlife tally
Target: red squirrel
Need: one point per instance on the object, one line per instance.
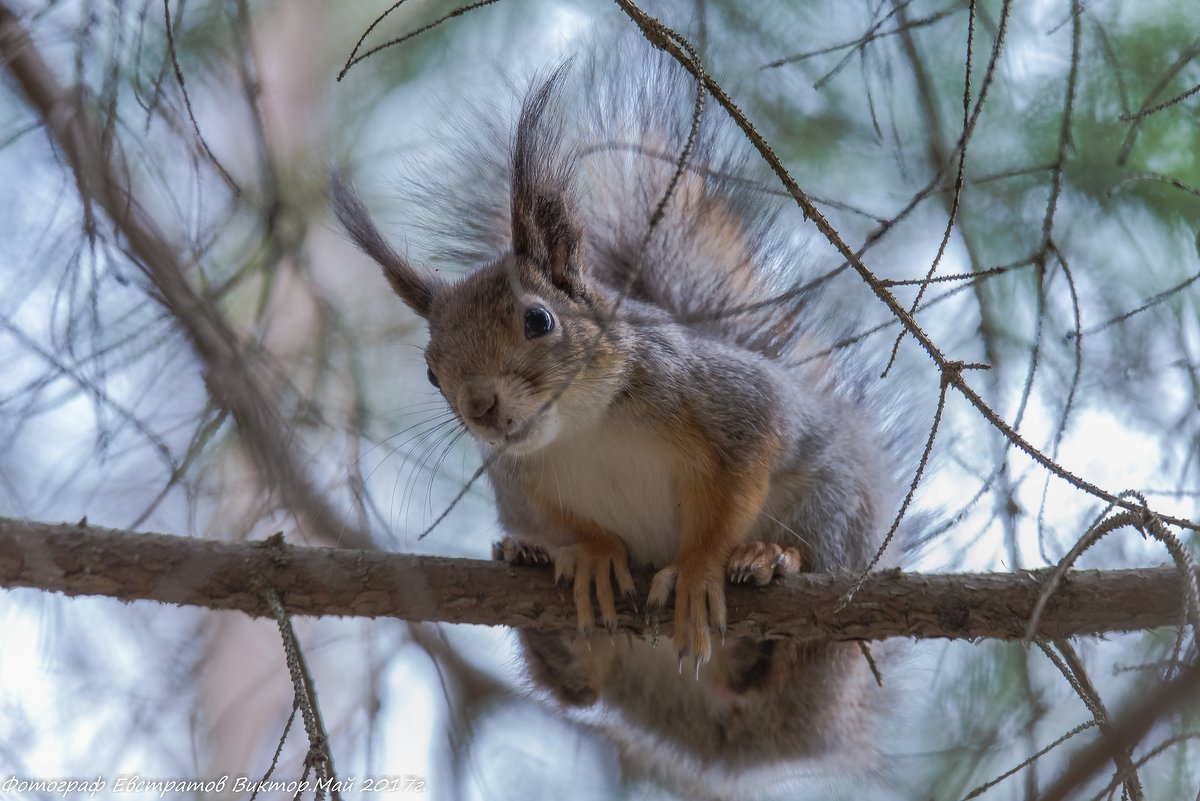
(637, 400)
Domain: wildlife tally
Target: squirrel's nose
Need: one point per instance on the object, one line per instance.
(481, 406)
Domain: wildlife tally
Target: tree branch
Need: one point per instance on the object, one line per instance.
(88, 560)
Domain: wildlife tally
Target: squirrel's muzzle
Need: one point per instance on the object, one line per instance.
(482, 406)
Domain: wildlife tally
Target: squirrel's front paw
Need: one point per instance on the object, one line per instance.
(699, 598)
(594, 564)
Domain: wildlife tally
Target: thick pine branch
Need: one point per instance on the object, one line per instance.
(88, 560)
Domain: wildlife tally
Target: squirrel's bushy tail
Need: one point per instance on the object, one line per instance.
(678, 213)
(613, 125)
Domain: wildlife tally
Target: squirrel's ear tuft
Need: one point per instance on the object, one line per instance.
(415, 288)
(545, 226)
(546, 231)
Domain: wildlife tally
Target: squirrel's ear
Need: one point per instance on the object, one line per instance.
(545, 227)
(546, 231)
(415, 288)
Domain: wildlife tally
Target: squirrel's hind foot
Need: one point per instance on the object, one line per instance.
(760, 562)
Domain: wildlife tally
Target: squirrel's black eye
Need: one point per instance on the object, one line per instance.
(432, 378)
(538, 322)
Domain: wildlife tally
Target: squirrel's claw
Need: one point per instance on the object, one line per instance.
(716, 605)
(625, 581)
(514, 552)
(699, 605)
(582, 594)
(588, 566)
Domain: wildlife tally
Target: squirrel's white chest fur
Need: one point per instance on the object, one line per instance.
(619, 476)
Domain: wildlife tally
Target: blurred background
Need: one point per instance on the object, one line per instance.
(1075, 230)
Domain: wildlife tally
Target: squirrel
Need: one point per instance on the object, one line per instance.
(638, 400)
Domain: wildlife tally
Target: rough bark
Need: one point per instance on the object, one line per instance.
(88, 560)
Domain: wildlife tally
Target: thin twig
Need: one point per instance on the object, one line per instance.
(1071, 666)
(912, 491)
(355, 57)
(956, 199)
(1163, 105)
(983, 788)
(1150, 303)
(1189, 53)
(187, 102)
(319, 756)
(1140, 715)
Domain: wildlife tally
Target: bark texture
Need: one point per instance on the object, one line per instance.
(88, 560)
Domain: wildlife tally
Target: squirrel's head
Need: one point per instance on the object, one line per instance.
(520, 347)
